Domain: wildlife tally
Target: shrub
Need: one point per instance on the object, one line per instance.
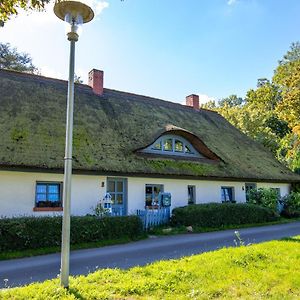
(221, 214)
(39, 232)
(291, 205)
(264, 197)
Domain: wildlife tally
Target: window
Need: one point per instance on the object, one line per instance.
(48, 194)
(227, 194)
(151, 194)
(191, 194)
(173, 145)
(116, 188)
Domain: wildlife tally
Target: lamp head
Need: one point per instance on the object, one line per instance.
(75, 13)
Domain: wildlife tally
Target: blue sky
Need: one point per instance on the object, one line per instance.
(166, 48)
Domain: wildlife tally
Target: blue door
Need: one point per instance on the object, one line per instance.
(117, 187)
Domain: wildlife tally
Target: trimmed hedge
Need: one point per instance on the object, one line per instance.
(221, 214)
(39, 232)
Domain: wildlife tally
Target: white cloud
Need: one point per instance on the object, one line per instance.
(232, 2)
(48, 72)
(205, 98)
(97, 5)
(83, 74)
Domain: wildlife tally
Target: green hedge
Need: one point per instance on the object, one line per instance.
(221, 214)
(39, 232)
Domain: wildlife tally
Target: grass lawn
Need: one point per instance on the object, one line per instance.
(265, 271)
(167, 230)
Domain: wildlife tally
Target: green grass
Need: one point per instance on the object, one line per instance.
(4, 255)
(182, 229)
(265, 271)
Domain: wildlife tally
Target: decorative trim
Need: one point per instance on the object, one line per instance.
(47, 209)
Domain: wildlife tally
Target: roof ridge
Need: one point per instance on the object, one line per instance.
(84, 85)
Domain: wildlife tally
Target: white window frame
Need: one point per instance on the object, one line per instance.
(193, 152)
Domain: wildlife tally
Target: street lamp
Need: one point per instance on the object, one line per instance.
(74, 13)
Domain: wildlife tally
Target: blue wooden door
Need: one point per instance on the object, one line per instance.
(117, 187)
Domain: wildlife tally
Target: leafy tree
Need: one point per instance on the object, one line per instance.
(9, 8)
(271, 113)
(262, 81)
(11, 59)
(77, 79)
(211, 104)
(277, 126)
(230, 101)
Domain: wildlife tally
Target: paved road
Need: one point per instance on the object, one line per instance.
(23, 271)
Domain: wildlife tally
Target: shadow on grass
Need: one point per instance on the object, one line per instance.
(75, 293)
(291, 239)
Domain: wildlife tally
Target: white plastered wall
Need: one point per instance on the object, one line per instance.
(206, 191)
(17, 191)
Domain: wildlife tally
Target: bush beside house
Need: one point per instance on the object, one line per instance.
(38, 232)
(291, 205)
(221, 214)
(288, 206)
(264, 197)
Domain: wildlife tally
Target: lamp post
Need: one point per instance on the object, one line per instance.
(74, 13)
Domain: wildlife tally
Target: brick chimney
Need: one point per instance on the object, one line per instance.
(96, 81)
(193, 101)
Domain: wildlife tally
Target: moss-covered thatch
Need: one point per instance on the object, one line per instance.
(109, 129)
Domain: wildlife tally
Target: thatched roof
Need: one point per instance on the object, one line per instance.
(109, 129)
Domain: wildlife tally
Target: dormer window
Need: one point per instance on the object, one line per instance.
(170, 144)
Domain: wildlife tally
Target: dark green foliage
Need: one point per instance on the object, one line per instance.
(277, 126)
(32, 232)
(264, 197)
(231, 101)
(11, 59)
(291, 205)
(221, 214)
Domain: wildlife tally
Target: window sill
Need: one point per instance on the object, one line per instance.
(47, 209)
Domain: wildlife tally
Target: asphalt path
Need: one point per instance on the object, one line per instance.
(23, 271)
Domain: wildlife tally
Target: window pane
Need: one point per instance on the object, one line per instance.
(53, 188)
(178, 146)
(111, 186)
(41, 188)
(191, 194)
(120, 186)
(187, 149)
(40, 197)
(120, 198)
(148, 189)
(157, 146)
(53, 197)
(168, 145)
(113, 198)
(226, 194)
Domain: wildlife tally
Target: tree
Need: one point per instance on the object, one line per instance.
(270, 114)
(11, 59)
(77, 79)
(232, 100)
(9, 8)
(211, 104)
